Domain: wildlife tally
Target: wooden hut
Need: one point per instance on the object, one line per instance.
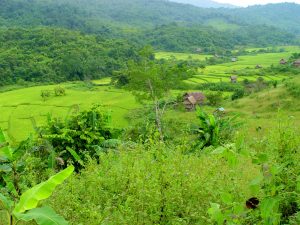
(234, 59)
(191, 100)
(297, 63)
(233, 79)
(282, 62)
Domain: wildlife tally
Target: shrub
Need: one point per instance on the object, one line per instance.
(237, 94)
(293, 87)
(79, 136)
(150, 185)
(45, 94)
(59, 91)
(214, 130)
(214, 98)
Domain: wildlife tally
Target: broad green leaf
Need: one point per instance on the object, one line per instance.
(75, 156)
(216, 214)
(5, 203)
(5, 168)
(42, 216)
(31, 197)
(269, 208)
(5, 151)
(10, 184)
(227, 198)
(298, 184)
(219, 150)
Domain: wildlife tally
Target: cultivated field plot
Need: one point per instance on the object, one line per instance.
(180, 56)
(247, 64)
(22, 109)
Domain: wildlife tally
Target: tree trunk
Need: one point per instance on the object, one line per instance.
(158, 113)
(158, 120)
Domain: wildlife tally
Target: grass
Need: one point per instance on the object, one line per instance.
(21, 108)
(180, 56)
(222, 25)
(104, 81)
(246, 63)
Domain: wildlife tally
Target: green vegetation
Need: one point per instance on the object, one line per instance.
(156, 112)
(66, 55)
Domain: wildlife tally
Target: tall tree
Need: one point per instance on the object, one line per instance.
(150, 81)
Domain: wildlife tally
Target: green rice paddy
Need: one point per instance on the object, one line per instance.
(247, 64)
(22, 109)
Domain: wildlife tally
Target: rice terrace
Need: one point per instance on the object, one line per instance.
(149, 112)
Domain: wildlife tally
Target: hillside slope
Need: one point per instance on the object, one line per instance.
(89, 14)
(204, 3)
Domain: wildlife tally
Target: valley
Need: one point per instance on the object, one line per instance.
(162, 112)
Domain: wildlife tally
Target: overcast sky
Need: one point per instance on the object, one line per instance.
(254, 2)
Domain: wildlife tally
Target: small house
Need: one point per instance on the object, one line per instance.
(198, 50)
(258, 66)
(297, 63)
(233, 79)
(282, 62)
(234, 59)
(191, 100)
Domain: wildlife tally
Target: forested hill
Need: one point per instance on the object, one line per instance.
(90, 15)
(57, 55)
(285, 16)
(205, 3)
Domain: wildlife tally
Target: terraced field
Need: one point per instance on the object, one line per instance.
(180, 56)
(23, 109)
(247, 64)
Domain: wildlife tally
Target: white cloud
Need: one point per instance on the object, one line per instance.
(254, 2)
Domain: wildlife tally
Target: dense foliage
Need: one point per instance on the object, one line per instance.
(56, 55)
(144, 22)
(85, 134)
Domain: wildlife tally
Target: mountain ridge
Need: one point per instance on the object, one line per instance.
(205, 3)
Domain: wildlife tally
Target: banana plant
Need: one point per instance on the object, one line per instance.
(209, 128)
(26, 208)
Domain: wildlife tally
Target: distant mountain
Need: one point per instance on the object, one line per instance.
(285, 16)
(173, 24)
(204, 3)
(90, 14)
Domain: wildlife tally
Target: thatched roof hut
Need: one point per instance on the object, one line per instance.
(191, 100)
(233, 79)
(297, 63)
(282, 62)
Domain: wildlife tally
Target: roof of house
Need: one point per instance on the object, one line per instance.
(233, 77)
(194, 97)
(297, 61)
(192, 100)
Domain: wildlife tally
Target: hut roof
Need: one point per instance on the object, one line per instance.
(195, 97)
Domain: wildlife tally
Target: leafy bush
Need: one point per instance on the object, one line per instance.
(45, 94)
(221, 86)
(293, 87)
(276, 189)
(239, 93)
(214, 98)
(214, 130)
(81, 135)
(59, 91)
(150, 184)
